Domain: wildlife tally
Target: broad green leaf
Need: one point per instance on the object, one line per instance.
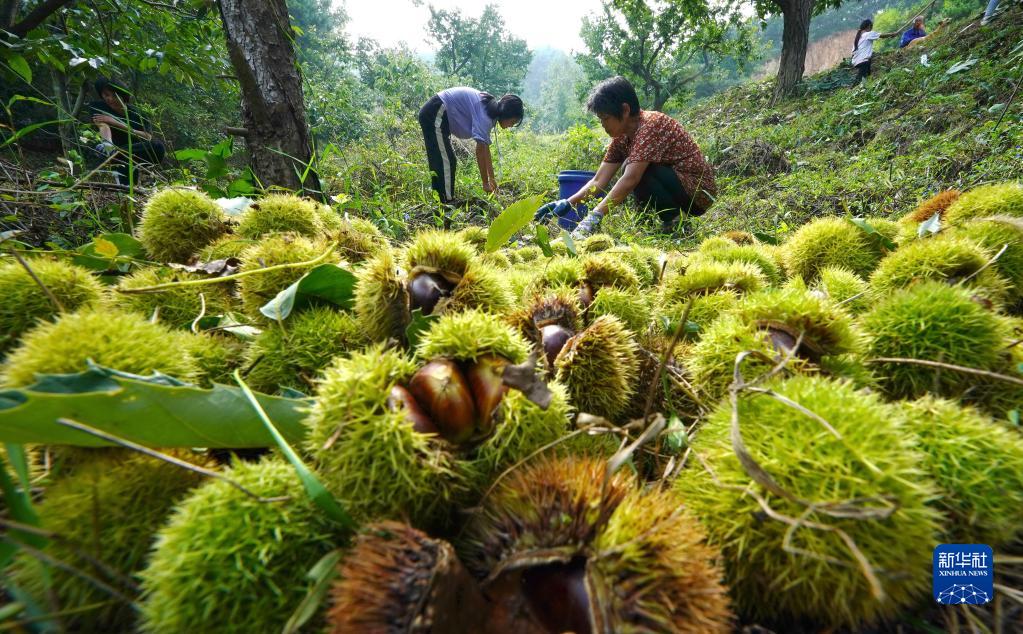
(190, 154)
(19, 506)
(930, 226)
(153, 411)
(20, 66)
(869, 229)
(1014, 417)
(322, 575)
(419, 324)
(511, 221)
(105, 247)
(543, 240)
(766, 238)
(570, 244)
(328, 283)
(32, 128)
(317, 492)
(96, 254)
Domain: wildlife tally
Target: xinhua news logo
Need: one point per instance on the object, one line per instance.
(963, 574)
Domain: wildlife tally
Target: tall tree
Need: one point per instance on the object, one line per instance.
(663, 47)
(795, 38)
(479, 49)
(261, 48)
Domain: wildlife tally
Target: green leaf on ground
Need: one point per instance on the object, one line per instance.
(155, 411)
(419, 324)
(543, 240)
(327, 283)
(99, 254)
(511, 221)
(17, 499)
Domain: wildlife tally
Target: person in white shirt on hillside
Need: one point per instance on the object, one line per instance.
(863, 48)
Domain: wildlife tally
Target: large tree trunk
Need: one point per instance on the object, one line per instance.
(794, 40)
(277, 135)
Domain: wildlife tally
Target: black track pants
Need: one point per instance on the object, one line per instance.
(433, 118)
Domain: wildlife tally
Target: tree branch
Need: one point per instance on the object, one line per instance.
(38, 16)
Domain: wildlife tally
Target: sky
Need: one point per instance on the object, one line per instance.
(542, 23)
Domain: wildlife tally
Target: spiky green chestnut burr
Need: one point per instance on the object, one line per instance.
(559, 549)
(176, 307)
(632, 308)
(602, 270)
(750, 254)
(599, 367)
(497, 259)
(381, 298)
(399, 579)
(513, 256)
(936, 204)
(230, 561)
(866, 479)
(826, 329)
(368, 451)
(948, 259)
(91, 513)
(438, 273)
(26, 303)
(258, 289)
(111, 338)
(741, 237)
(280, 213)
(294, 355)
(714, 243)
(712, 287)
(976, 464)
(176, 223)
(829, 242)
(474, 235)
(469, 335)
(999, 236)
(358, 239)
(519, 426)
(1000, 199)
(216, 355)
(529, 253)
(229, 246)
(646, 263)
(845, 288)
(936, 322)
(549, 320)
(712, 359)
(596, 243)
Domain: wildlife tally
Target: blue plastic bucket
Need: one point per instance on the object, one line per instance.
(570, 182)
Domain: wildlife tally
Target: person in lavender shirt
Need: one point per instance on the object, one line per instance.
(466, 113)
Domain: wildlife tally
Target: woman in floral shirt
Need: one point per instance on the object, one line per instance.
(664, 167)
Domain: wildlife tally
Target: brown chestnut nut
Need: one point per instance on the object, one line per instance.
(426, 289)
(486, 379)
(444, 393)
(557, 596)
(401, 399)
(554, 338)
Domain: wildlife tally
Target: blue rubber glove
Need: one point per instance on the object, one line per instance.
(558, 209)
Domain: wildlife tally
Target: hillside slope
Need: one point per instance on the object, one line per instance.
(918, 126)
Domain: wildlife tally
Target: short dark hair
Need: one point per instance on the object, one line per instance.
(608, 96)
(105, 83)
(507, 107)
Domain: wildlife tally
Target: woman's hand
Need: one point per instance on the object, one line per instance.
(104, 119)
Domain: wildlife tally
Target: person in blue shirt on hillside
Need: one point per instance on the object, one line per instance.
(466, 113)
(914, 33)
